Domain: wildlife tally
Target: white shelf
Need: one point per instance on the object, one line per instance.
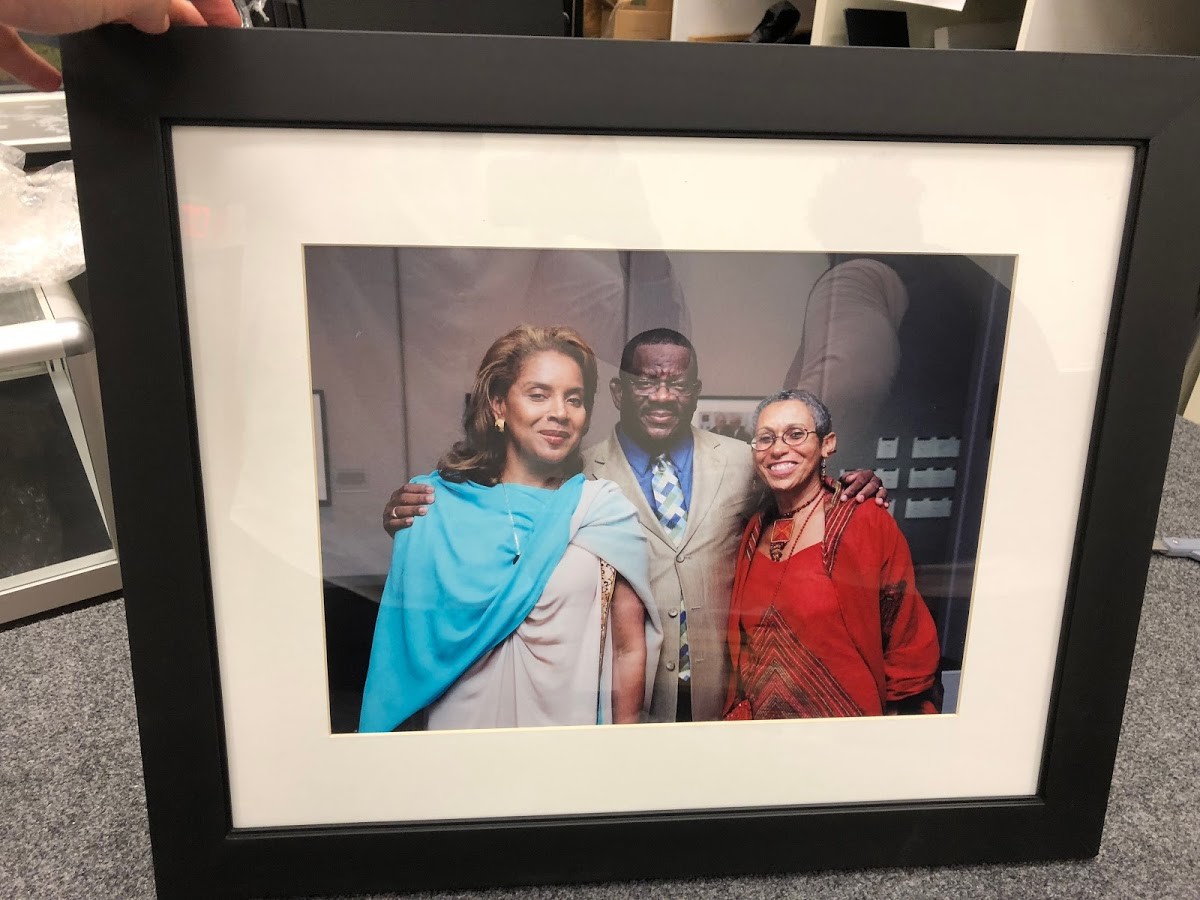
(829, 28)
(1073, 26)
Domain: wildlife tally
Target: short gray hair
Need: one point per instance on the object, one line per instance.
(820, 412)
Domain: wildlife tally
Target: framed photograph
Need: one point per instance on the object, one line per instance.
(730, 416)
(321, 448)
(957, 291)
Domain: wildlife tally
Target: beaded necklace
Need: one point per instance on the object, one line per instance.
(787, 565)
(781, 528)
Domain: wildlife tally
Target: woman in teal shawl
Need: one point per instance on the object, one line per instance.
(524, 599)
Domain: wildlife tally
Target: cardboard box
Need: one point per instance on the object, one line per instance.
(635, 23)
(631, 24)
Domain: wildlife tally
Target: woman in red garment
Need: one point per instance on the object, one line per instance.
(825, 620)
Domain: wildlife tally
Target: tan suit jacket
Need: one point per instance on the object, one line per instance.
(700, 570)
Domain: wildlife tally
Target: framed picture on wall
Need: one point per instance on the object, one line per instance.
(413, 246)
(321, 448)
(730, 416)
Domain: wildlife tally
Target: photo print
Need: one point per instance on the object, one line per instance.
(903, 350)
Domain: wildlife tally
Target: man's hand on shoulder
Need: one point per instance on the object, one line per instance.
(405, 504)
(861, 485)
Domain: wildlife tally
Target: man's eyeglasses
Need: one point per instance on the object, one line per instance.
(793, 437)
(648, 387)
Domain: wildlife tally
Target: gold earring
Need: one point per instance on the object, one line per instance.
(500, 424)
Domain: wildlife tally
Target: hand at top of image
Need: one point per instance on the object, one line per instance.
(39, 17)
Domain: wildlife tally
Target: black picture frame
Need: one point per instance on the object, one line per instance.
(125, 91)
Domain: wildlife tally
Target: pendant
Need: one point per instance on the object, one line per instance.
(779, 538)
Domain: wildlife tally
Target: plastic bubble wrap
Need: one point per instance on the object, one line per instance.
(246, 7)
(40, 240)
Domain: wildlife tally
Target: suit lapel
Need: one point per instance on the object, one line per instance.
(609, 462)
(708, 470)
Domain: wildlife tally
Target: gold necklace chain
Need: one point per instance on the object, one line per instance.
(512, 522)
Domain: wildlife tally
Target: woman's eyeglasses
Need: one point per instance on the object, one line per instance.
(793, 437)
(648, 387)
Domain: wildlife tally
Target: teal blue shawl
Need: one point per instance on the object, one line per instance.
(453, 592)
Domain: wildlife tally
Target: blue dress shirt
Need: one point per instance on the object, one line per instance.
(680, 454)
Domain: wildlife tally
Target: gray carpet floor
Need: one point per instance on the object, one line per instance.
(73, 819)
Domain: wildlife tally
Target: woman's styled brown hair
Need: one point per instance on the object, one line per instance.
(480, 455)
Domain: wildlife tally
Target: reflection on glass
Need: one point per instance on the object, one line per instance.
(48, 511)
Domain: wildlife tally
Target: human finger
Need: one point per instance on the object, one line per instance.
(864, 485)
(399, 518)
(220, 13)
(392, 524)
(405, 504)
(181, 12)
(404, 511)
(22, 63)
(416, 493)
(881, 495)
(856, 482)
(411, 494)
(155, 16)
(150, 16)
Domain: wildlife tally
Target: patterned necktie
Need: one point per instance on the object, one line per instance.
(668, 504)
(668, 499)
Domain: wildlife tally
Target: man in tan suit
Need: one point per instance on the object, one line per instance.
(691, 571)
